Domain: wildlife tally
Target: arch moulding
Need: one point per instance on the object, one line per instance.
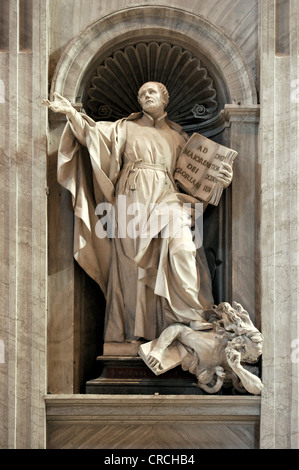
(160, 23)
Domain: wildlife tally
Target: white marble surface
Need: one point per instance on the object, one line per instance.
(24, 237)
(237, 19)
(279, 134)
(163, 22)
(152, 422)
(159, 407)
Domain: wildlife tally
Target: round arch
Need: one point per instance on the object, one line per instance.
(216, 50)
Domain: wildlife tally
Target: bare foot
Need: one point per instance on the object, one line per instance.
(154, 359)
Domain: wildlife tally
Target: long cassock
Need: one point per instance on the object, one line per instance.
(148, 269)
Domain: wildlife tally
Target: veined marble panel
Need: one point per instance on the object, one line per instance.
(24, 230)
(279, 135)
(152, 422)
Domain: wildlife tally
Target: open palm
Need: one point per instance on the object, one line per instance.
(59, 105)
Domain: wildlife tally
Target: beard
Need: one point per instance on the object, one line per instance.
(152, 107)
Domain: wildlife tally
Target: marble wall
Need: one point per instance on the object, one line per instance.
(23, 188)
(152, 422)
(236, 18)
(279, 222)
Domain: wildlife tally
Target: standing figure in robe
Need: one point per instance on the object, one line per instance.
(149, 270)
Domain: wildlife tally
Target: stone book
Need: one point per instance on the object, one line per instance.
(198, 166)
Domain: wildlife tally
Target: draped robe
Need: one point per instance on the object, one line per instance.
(151, 277)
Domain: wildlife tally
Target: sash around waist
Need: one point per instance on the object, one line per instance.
(131, 170)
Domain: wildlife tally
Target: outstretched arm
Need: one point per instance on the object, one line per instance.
(62, 105)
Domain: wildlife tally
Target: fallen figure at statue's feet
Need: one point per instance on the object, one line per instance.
(219, 356)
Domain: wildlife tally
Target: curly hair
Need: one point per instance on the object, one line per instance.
(235, 326)
(163, 91)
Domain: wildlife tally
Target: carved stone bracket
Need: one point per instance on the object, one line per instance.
(241, 113)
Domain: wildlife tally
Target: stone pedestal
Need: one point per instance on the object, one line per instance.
(124, 372)
(152, 422)
(130, 375)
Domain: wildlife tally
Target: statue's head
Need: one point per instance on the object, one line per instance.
(153, 96)
(250, 348)
(236, 327)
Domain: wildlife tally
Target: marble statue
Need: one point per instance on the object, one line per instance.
(151, 278)
(222, 355)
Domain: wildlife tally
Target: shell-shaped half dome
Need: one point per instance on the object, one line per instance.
(113, 91)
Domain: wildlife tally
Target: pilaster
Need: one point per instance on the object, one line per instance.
(279, 133)
(24, 226)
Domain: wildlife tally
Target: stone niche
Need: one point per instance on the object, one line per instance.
(211, 92)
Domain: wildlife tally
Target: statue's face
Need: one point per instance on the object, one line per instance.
(150, 97)
(250, 351)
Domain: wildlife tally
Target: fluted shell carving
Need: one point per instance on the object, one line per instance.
(114, 87)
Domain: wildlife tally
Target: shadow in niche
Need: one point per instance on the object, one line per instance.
(76, 302)
(217, 241)
(215, 245)
(211, 245)
(88, 328)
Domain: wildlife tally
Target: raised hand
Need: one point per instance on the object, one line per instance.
(234, 359)
(250, 381)
(225, 174)
(60, 105)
